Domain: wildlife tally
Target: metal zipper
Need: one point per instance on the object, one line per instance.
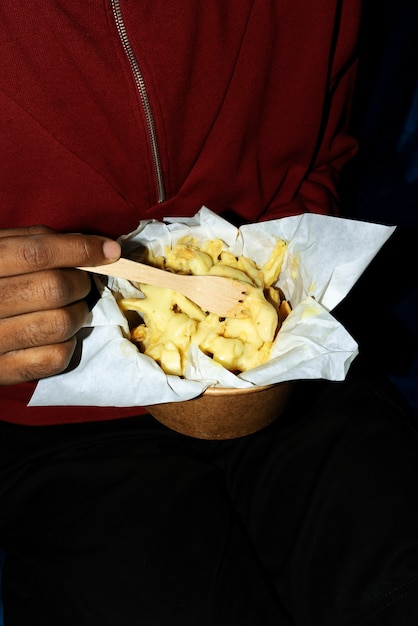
(142, 90)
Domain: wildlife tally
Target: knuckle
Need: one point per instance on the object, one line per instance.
(33, 291)
(80, 249)
(55, 327)
(39, 229)
(35, 253)
(34, 363)
(56, 288)
(44, 290)
(9, 293)
(85, 251)
(48, 362)
(63, 326)
(42, 329)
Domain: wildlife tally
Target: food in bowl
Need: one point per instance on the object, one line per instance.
(171, 323)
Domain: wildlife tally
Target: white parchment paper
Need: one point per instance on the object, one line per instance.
(325, 257)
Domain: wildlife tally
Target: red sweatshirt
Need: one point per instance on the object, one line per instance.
(115, 111)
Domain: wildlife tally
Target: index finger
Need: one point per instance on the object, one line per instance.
(23, 254)
(25, 230)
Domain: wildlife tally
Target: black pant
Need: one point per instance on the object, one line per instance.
(311, 522)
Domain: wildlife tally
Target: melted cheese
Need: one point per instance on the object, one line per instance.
(171, 322)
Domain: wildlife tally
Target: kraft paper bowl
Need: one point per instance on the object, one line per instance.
(225, 413)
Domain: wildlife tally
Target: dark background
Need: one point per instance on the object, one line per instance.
(381, 185)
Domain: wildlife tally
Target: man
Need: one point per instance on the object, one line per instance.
(117, 111)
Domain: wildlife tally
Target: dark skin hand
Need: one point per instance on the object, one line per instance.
(42, 298)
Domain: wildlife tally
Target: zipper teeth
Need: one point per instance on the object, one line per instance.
(140, 83)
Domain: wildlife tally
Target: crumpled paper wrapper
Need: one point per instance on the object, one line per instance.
(325, 257)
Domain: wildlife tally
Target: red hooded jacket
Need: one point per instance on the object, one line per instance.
(117, 110)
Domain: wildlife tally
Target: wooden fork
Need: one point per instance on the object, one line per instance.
(216, 294)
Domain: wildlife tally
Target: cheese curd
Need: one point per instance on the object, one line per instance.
(171, 323)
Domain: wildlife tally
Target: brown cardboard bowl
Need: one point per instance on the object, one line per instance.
(221, 413)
